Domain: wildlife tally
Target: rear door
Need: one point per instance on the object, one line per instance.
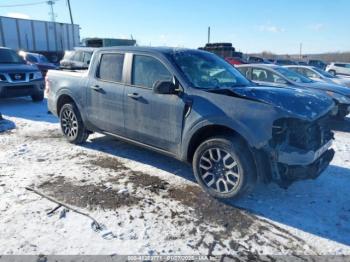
(152, 119)
(105, 93)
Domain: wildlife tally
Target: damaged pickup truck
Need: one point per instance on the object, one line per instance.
(194, 106)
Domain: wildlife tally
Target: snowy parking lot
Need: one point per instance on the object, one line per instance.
(149, 203)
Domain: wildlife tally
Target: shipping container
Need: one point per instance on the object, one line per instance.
(49, 38)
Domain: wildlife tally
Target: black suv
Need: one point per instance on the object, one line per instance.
(194, 106)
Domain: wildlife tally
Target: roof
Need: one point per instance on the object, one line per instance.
(149, 49)
(260, 65)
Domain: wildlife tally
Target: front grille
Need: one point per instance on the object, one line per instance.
(28, 87)
(17, 76)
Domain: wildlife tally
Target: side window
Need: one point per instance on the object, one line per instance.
(78, 56)
(244, 71)
(147, 70)
(347, 65)
(339, 65)
(87, 57)
(31, 59)
(310, 73)
(259, 75)
(111, 67)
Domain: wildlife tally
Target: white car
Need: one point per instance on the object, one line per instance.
(338, 68)
(319, 75)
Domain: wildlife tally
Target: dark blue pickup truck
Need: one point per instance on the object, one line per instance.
(17, 78)
(194, 106)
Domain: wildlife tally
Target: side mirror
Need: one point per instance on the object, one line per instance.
(164, 87)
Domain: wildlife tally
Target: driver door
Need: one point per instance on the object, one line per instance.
(152, 119)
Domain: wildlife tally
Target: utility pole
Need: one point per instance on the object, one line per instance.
(209, 35)
(52, 13)
(301, 50)
(70, 12)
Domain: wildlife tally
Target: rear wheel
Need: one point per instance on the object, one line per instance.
(72, 124)
(332, 72)
(224, 167)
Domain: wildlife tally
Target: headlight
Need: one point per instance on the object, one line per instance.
(340, 98)
(37, 75)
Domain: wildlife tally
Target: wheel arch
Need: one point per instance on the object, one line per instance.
(206, 132)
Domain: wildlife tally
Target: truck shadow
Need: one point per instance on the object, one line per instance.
(320, 207)
(25, 108)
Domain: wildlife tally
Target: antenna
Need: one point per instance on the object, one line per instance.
(52, 13)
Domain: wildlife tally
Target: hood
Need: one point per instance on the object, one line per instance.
(296, 102)
(342, 90)
(8, 68)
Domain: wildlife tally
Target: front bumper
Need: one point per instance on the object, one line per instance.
(294, 156)
(8, 90)
(290, 173)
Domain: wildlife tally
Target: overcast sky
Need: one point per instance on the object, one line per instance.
(252, 26)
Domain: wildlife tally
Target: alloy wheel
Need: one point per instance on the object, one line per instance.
(69, 123)
(219, 170)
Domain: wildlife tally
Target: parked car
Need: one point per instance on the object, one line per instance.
(258, 60)
(78, 59)
(301, 63)
(318, 63)
(17, 78)
(338, 68)
(278, 76)
(320, 75)
(235, 60)
(39, 60)
(194, 106)
(284, 62)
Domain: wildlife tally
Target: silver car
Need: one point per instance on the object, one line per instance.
(278, 76)
(339, 68)
(319, 75)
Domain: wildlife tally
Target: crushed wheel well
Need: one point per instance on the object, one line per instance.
(206, 132)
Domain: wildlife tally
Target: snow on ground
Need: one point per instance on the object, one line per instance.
(149, 203)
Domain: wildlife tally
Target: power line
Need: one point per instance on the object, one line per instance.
(27, 4)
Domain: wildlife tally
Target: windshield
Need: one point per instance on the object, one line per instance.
(293, 76)
(8, 56)
(207, 71)
(324, 73)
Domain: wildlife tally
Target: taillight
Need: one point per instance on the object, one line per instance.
(47, 86)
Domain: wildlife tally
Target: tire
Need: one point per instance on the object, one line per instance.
(236, 160)
(38, 97)
(332, 72)
(341, 115)
(72, 125)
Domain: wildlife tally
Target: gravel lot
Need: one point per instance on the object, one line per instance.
(149, 203)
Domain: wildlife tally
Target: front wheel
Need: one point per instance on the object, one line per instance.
(224, 167)
(72, 124)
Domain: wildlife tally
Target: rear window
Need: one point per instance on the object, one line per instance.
(111, 67)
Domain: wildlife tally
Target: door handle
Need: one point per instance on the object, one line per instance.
(96, 88)
(134, 95)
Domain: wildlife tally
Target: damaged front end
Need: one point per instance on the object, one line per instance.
(299, 149)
